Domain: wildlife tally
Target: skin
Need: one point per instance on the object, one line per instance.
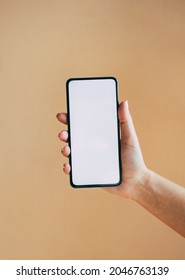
(161, 197)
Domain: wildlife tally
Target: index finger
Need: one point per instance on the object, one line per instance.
(62, 117)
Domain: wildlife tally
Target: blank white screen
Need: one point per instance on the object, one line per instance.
(93, 131)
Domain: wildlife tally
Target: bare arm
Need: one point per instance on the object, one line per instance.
(161, 197)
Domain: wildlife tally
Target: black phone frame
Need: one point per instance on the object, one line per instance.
(69, 133)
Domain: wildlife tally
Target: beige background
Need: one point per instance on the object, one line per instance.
(42, 43)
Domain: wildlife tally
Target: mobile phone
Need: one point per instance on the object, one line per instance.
(94, 134)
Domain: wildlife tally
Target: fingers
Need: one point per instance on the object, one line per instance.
(66, 168)
(62, 117)
(63, 135)
(66, 151)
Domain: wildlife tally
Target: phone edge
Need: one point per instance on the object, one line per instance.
(69, 133)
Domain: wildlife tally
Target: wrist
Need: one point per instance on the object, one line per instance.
(140, 189)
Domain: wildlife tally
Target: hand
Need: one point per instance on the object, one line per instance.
(133, 166)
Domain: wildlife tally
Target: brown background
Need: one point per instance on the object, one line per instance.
(42, 43)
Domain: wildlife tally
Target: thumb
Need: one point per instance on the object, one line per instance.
(128, 133)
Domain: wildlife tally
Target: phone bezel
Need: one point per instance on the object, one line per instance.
(69, 133)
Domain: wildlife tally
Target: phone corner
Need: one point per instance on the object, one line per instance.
(114, 78)
(119, 180)
(69, 80)
(72, 184)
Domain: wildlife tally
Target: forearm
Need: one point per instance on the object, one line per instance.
(162, 198)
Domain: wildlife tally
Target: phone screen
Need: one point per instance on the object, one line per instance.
(93, 132)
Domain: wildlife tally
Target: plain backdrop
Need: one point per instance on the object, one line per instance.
(42, 44)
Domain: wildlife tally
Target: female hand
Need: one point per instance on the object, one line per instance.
(133, 166)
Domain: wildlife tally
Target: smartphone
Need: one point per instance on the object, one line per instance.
(94, 134)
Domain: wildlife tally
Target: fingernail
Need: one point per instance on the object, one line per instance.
(65, 134)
